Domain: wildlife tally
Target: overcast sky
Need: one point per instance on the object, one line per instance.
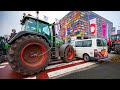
(11, 19)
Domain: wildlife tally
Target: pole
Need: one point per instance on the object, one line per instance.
(37, 29)
(88, 24)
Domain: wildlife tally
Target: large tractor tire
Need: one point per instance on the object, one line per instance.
(25, 55)
(117, 48)
(69, 54)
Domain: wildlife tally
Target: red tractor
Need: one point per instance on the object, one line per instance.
(114, 43)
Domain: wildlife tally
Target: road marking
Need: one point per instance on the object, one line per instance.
(30, 78)
(2, 66)
(5, 63)
(63, 64)
(67, 70)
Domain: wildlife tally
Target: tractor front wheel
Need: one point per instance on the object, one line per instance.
(29, 55)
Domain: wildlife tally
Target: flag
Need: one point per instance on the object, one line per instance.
(107, 31)
(56, 20)
(57, 26)
(93, 26)
(45, 18)
(104, 31)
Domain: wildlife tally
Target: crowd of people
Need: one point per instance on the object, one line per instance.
(4, 39)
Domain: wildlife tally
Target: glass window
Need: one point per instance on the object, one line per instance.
(72, 43)
(118, 37)
(78, 43)
(87, 43)
(31, 25)
(114, 37)
(45, 30)
(101, 42)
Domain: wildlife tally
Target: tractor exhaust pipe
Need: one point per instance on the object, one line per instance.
(54, 35)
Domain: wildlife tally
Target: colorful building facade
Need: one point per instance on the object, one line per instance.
(84, 24)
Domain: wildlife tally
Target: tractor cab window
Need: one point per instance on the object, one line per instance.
(30, 25)
(118, 37)
(44, 29)
(113, 37)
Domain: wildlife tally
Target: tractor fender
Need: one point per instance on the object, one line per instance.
(21, 33)
(62, 49)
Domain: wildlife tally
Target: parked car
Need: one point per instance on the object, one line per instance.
(91, 49)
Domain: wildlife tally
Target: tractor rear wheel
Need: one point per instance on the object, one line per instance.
(117, 48)
(68, 54)
(27, 55)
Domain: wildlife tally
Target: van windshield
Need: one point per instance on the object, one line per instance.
(101, 42)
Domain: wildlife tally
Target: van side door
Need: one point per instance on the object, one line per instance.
(78, 48)
(102, 47)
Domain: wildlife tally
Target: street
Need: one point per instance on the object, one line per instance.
(77, 69)
(104, 70)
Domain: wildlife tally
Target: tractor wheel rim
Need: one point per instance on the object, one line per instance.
(70, 54)
(30, 55)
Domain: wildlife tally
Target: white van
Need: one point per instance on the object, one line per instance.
(91, 49)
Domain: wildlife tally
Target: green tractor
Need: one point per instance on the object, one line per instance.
(31, 49)
(3, 49)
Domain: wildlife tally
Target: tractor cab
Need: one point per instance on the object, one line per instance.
(114, 43)
(115, 38)
(32, 24)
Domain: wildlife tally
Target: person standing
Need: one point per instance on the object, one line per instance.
(13, 33)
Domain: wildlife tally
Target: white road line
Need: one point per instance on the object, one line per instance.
(62, 64)
(2, 66)
(4, 63)
(30, 78)
(70, 69)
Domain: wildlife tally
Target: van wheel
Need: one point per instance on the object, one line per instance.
(86, 57)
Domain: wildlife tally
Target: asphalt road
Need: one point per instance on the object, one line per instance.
(105, 70)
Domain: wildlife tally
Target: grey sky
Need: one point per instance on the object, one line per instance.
(11, 19)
